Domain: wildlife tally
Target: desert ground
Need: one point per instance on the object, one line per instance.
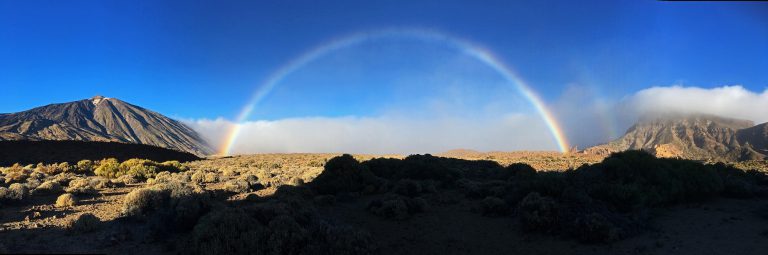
(302, 204)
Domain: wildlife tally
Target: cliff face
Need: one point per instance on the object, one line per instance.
(101, 119)
(704, 137)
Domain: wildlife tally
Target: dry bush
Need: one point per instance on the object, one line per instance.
(163, 177)
(64, 178)
(66, 200)
(198, 177)
(48, 169)
(139, 202)
(83, 223)
(174, 205)
(80, 186)
(128, 179)
(14, 193)
(211, 177)
(32, 183)
(16, 173)
(48, 188)
(237, 186)
(98, 182)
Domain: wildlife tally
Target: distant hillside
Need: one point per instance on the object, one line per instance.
(703, 137)
(32, 152)
(101, 119)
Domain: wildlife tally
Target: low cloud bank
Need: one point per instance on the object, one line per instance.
(586, 120)
(380, 134)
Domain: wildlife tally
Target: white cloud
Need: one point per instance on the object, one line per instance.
(384, 134)
(728, 101)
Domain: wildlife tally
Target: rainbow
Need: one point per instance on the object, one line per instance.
(467, 47)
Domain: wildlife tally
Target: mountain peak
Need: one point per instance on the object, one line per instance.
(693, 136)
(120, 122)
(97, 99)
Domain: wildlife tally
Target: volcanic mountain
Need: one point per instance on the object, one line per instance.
(693, 136)
(101, 119)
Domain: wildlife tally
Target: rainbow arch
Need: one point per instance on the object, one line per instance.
(465, 46)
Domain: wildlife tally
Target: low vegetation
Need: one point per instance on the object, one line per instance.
(266, 204)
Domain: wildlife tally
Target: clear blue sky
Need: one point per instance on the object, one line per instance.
(203, 59)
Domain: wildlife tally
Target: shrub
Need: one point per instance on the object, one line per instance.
(48, 169)
(66, 200)
(344, 174)
(65, 167)
(237, 186)
(107, 168)
(236, 231)
(141, 201)
(48, 188)
(80, 186)
(636, 179)
(595, 228)
(169, 206)
(397, 207)
(85, 166)
(14, 193)
(226, 232)
(211, 177)
(15, 173)
(128, 179)
(198, 177)
(538, 213)
(174, 166)
(140, 168)
(163, 177)
(83, 223)
(407, 187)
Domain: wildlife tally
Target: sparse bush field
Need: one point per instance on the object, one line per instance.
(284, 203)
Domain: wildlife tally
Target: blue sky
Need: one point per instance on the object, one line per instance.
(204, 59)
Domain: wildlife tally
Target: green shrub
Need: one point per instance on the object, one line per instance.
(173, 166)
(85, 166)
(109, 168)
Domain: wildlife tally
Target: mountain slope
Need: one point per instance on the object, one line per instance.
(756, 137)
(704, 137)
(101, 119)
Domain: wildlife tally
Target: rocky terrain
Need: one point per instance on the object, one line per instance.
(101, 119)
(697, 136)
